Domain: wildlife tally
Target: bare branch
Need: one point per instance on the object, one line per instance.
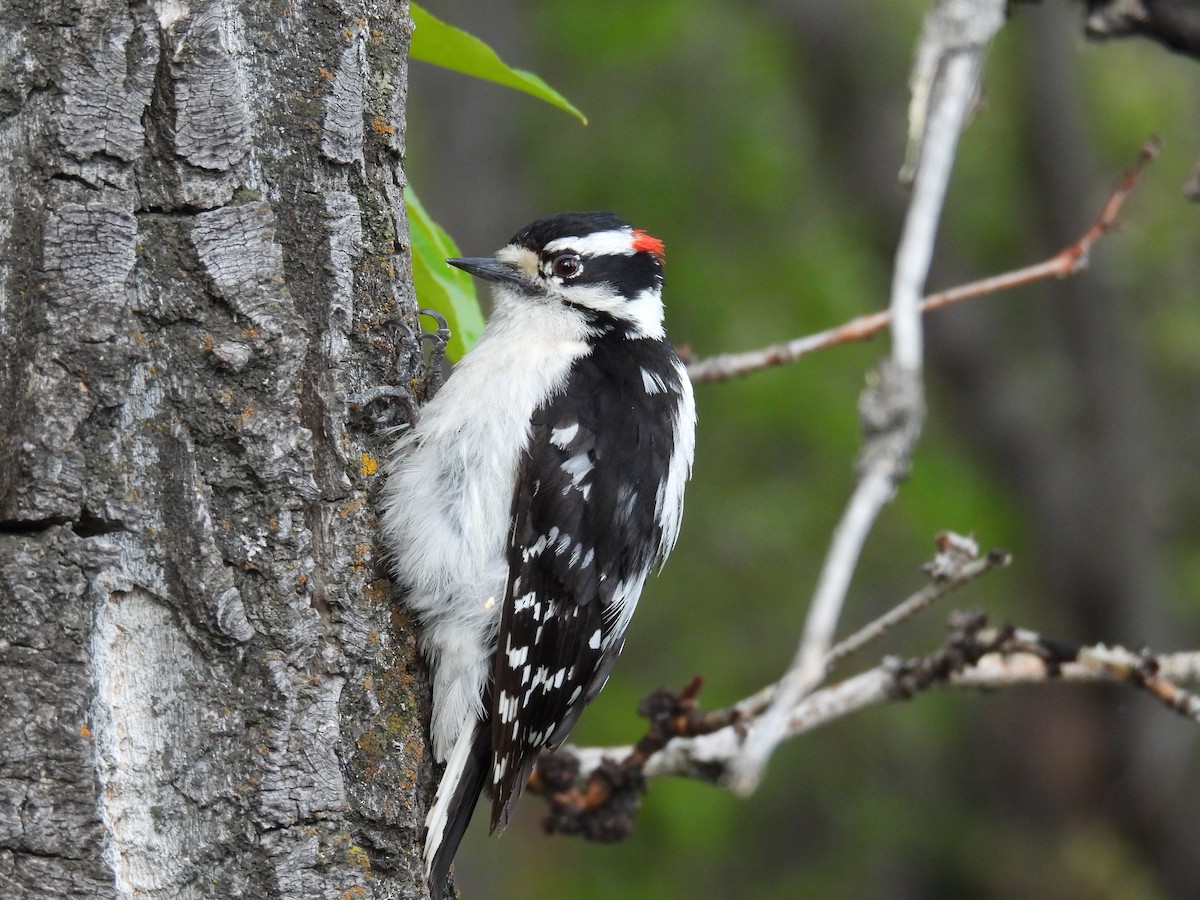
(602, 806)
(1180, 668)
(1068, 261)
(957, 563)
(950, 59)
(974, 656)
(1026, 663)
(601, 802)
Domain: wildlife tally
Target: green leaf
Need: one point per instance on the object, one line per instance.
(444, 45)
(448, 290)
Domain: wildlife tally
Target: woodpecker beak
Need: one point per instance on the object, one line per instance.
(488, 269)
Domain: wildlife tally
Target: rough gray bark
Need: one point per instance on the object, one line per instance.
(205, 688)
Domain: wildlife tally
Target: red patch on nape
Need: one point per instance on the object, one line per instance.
(644, 243)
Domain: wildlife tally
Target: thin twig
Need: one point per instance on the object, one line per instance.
(1028, 663)
(956, 564)
(808, 668)
(914, 604)
(956, 36)
(974, 657)
(1180, 668)
(1066, 262)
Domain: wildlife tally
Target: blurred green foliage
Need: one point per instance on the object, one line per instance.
(441, 44)
(761, 142)
(438, 286)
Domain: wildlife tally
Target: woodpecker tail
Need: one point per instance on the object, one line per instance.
(459, 789)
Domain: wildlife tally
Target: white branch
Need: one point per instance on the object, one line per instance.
(710, 757)
(956, 563)
(949, 61)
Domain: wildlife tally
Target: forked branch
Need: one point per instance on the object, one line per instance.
(974, 656)
(1068, 261)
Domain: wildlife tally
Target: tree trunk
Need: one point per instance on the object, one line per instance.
(205, 687)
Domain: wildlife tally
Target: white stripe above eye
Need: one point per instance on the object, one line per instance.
(598, 243)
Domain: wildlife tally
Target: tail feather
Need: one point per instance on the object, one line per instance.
(457, 793)
(508, 791)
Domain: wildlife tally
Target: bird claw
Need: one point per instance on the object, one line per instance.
(403, 405)
(402, 408)
(438, 340)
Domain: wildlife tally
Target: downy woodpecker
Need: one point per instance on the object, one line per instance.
(525, 508)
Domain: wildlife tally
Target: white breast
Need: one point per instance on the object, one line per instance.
(446, 502)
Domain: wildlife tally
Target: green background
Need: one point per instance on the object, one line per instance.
(761, 141)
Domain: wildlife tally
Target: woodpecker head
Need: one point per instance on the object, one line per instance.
(594, 261)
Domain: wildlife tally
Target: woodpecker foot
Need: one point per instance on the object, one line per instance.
(369, 406)
(438, 341)
(393, 405)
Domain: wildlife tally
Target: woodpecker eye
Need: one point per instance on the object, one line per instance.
(568, 265)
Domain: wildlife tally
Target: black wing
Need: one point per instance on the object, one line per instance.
(586, 533)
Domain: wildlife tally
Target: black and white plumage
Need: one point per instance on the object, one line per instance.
(534, 495)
